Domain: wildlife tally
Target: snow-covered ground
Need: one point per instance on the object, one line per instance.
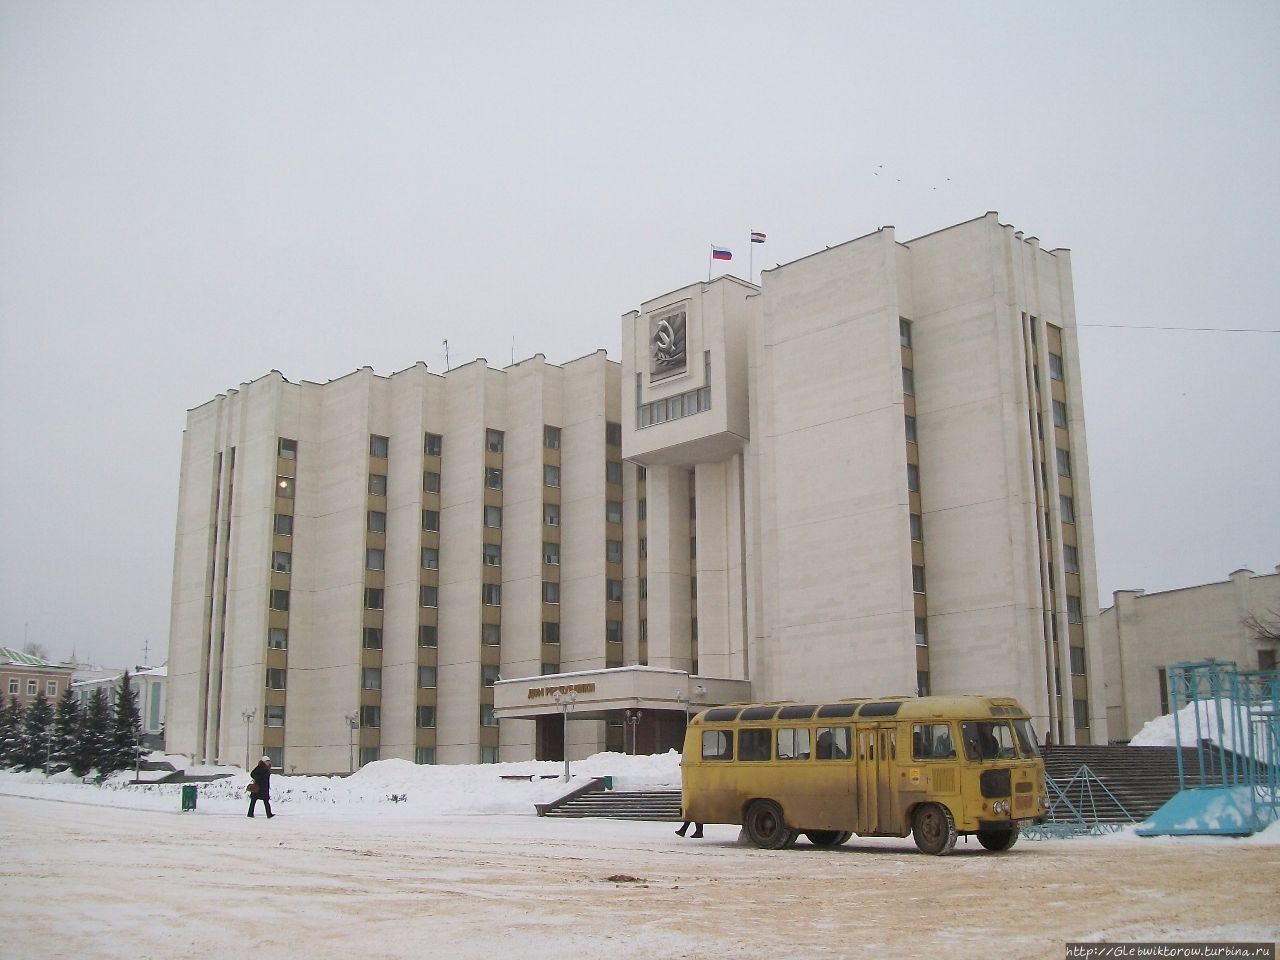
(419, 861)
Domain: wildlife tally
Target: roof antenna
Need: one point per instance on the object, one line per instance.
(446, 357)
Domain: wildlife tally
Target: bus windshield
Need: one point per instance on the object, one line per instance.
(987, 740)
(1027, 742)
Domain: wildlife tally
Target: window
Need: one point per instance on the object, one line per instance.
(613, 551)
(287, 449)
(1055, 366)
(1075, 611)
(425, 755)
(277, 638)
(372, 638)
(487, 719)
(280, 600)
(753, 745)
(550, 552)
(613, 471)
(550, 475)
(489, 675)
(922, 631)
(613, 631)
(372, 598)
(1081, 710)
(613, 434)
(717, 745)
(642, 473)
(643, 547)
(1266, 660)
(913, 478)
(932, 741)
(644, 631)
(275, 716)
(917, 577)
(281, 561)
(493, 594)
(613, 590)
(493, 554)
(432, 445)
(911, 428)
(550, 591)
(51, 688)
(427, 719)
(832, 743)
(369, 754)
(644, 588)
(1067, 508)
(1070, 558)
(13, 686)
(377, 484)
(428, 596)
(613, 511)
(430, 558)
(550, 668)
(793, 743)
(551, 514)
(1059, 414)
(493, 441)
(904, 331)
(32, 687)
(375, 558)
(917, 528)
(427, 635)
(370, 716)
(490, 634)
(284, 487)
(378, 446)
(908, 381)
(430, 481)
(550, 632)
(376, 521)
(431, 520)
(426, 677)
(493, 517)
(489, 754)
(284, 525)
(1077, 661)
(493, 478)
(371, 678)
(551, 437)
(642, 509)
(1064, 463)
(275, 679)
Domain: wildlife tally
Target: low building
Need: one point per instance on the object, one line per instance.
(24, 676)
(149, 686)
(1142, 634)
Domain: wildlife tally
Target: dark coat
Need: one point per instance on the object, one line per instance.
(261, 775)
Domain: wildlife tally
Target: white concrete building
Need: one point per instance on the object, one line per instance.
(148, 685)
(1143, 634)
(865, 476)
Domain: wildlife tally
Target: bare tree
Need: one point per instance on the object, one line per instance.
(36, 649)
(1265, 629)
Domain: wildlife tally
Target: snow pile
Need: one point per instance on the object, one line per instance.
(1231, 734)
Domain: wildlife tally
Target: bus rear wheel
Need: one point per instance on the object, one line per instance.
(934, 829)
(766, 827)
(999, 840)
(825, 838)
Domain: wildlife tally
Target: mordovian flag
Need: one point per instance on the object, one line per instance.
(757, 236)
(721, 253)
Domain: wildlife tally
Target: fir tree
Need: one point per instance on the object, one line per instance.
(95, 733)
(10, 733)
(37, 726)
(66, 734)
(126, 727)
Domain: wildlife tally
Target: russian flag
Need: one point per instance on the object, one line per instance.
(721, 253)
(757, 236)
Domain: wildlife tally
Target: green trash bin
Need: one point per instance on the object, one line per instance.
(608, 783)
(188, 796)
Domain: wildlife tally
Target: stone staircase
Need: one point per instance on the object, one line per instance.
(619, 805)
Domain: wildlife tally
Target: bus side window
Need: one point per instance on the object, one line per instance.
(833, 743)
(932, 741)
(717, 745)
(793, 743)
(753, 744)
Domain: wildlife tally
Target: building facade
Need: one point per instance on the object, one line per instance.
(148, 685)
(1142, 634)
(24, 676)
(866, 475)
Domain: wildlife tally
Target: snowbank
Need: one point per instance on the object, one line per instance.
(1160, 731)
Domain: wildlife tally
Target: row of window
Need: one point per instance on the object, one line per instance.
(371, 716)
(33, 687)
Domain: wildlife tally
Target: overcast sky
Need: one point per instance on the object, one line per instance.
(194, 194)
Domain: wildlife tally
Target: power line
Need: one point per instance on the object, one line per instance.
(1134, 326)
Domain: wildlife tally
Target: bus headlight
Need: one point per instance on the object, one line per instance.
(1000, 806)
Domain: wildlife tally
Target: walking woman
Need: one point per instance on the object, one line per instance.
(260, 786)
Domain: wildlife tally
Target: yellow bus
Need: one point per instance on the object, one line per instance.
(935, 767)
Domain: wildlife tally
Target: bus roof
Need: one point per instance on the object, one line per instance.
(898, 707)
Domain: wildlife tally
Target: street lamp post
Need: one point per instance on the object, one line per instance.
(247, 716)
(352, 724)
(633, 720)
(566, 702)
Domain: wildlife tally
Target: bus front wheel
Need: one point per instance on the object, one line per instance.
(766, 827)
(998, 840)
(934, 829)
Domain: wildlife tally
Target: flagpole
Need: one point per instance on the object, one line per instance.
(751, 259)
(711, 255)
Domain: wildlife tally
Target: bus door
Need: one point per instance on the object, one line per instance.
(877, 747)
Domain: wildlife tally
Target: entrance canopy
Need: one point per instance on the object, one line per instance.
(590, 694)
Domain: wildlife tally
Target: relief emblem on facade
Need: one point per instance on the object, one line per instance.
(667, 344)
